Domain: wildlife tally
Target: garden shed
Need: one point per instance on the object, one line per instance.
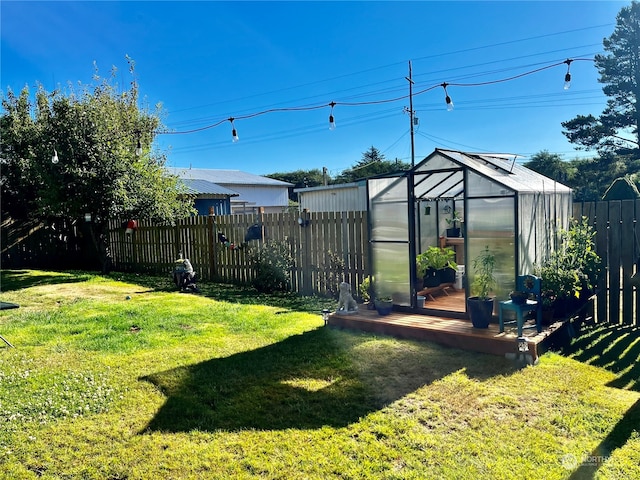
(466, 202)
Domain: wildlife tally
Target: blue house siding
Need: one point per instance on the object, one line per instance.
(221, 206)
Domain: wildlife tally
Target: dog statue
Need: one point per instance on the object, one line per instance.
(346, 303)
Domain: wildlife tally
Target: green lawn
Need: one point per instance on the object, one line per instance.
(121, 377)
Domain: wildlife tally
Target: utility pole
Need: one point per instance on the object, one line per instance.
(411, 112)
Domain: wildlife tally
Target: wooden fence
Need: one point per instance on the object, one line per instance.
(617, 242)
(54, 245)
(328, 240)
(324, 246)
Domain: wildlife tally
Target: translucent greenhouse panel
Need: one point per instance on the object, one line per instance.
(387, 189)
(439, 184)
(534, 231)
(388, 210)
(541, 217)
(391, 271)
(437, 163)
(491, 222)
(427, 226)
(480, 186)
(388, 214)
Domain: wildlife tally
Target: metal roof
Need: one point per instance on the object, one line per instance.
(204, 187)
(226, 177)
(336, 186)
(499, 168)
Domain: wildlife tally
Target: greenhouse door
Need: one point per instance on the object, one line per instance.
(389, 238)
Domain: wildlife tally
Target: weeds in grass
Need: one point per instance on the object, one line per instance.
(123, 377)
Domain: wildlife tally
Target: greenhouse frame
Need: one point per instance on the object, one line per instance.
(513, 211)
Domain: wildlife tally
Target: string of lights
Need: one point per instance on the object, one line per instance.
(332, 124)
(389, 90)
(426, 57)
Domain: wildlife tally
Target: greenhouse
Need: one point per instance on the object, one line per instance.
(464, 204)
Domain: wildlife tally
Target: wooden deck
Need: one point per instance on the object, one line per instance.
(450, 331)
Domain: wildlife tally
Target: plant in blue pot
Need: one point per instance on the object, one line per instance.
(480, 305)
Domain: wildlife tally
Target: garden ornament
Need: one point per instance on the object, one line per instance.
(346, 303)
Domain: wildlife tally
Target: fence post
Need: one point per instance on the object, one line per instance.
(305, 238)
(213, 240)
(261, 223)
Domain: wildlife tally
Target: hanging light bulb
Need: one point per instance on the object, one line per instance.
(332, 122)
(234, 132)
(447, 98)
(55, 158)
(567, 77)
(139, 148)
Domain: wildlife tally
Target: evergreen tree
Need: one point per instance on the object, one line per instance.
(371, 164)
(300, 179)
(551, 165)
(618, 127)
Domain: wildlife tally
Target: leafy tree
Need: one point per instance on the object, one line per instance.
(372, 163)
(589, 178)
(300, 179)
(617, 128)
(553, 166)
(66, 155)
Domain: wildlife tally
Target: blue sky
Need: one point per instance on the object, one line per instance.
(208, 61)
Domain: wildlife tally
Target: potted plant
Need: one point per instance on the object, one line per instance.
(428, 265)
(559, 285)
(448, 272)
(432, 262)
(480, 305)
(384, 305)
(454, 230)
(548, 306)
(571, 274)
(520, 297)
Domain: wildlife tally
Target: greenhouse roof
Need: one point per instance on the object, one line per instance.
(500, 168)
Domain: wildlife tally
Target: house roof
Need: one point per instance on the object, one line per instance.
(226, 177)
(204, 187)
(360, 183)
(500, 168)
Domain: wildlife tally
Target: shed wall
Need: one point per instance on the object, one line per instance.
(344, 199)
(270, 197)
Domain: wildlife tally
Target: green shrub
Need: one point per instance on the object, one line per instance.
(365, 289)
(273, 263)
(574, 266)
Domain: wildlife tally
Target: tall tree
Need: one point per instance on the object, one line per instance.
(617, 129)
(551, 165)
(89, 151)
(300, 179)
(372, 163)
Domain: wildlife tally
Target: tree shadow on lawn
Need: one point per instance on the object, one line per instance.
(11, 280)
(615, 348)
(320, 378)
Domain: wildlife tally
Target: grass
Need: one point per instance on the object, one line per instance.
(121, 377)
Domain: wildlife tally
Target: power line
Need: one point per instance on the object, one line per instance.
(402, 62)
(371, 102)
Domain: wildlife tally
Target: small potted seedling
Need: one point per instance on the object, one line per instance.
(454, 223)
